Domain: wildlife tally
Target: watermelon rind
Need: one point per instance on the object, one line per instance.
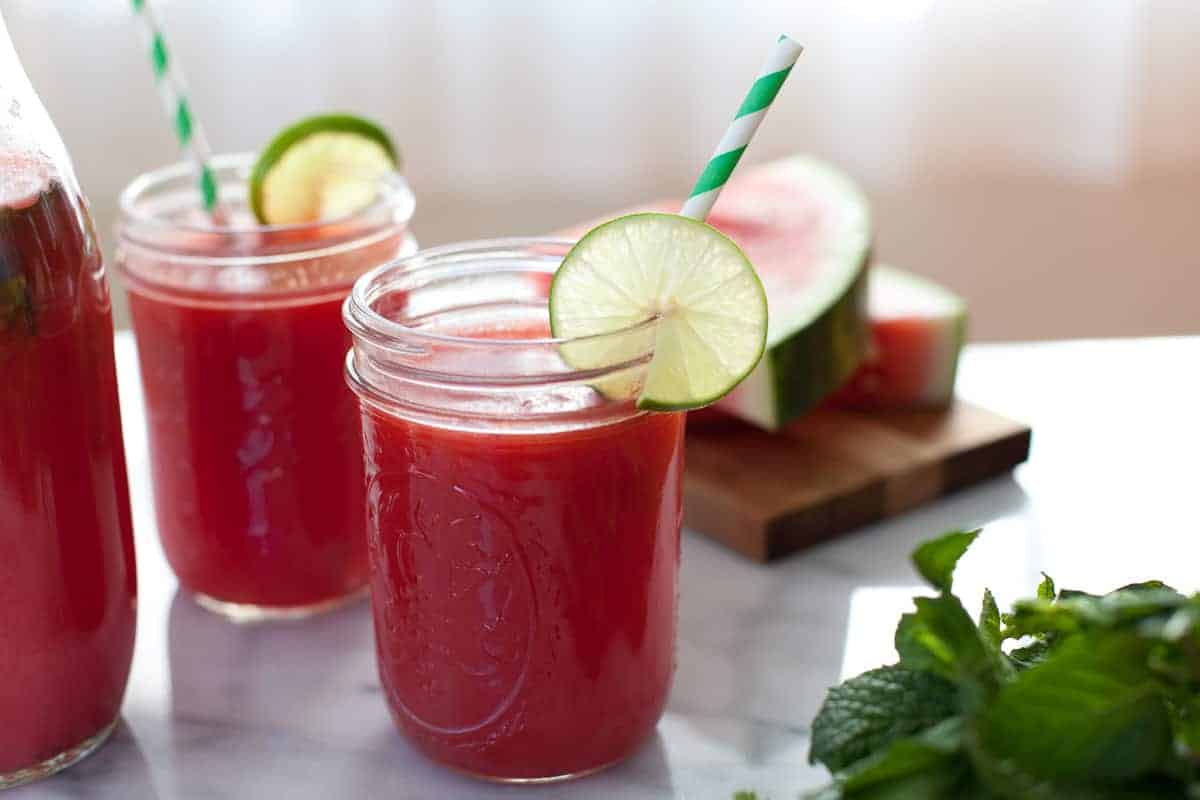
(894, 294)
(817, 340)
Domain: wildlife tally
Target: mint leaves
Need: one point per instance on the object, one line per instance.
(1090, 711)
(937, 558)
(1070, 695)
(16, 308)
(866, 714)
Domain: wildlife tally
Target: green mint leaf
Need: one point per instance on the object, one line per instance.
(16, 305)
(1002, 779)
(940, 637)
(920, 649)
(867, 713)
(989, 621)
(1077, 611)
(1089, 712)
(993, 638)
(936, 559)
(1032, 654)
(943, 625)
(1146, 586)
(744, 795)
(1185, 721)
(1046, 590)
(928, 766)
(1038, 618)
(1183, 623)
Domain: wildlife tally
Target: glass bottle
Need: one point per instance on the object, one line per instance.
(67, 579)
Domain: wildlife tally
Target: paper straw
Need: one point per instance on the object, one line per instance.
(173, 91)
(749, 116)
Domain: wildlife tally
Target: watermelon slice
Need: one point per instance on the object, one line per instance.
(806, 227)
(917, 333)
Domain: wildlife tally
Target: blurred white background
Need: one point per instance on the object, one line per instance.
(1041, 157)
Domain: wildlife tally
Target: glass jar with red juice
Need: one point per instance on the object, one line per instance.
(254, 437)
(523, 521)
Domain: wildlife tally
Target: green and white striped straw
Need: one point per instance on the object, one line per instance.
(749, 116)
(173, 91)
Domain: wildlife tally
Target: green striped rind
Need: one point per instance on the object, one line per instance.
(820, 337)
(826, 353)
(960, 339)
(940, 391)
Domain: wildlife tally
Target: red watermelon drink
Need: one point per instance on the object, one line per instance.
(524, 527)
(67, 574)
(254, 437)
(524, 489)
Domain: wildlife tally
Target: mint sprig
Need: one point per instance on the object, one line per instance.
(16, 306)
(1069, 696)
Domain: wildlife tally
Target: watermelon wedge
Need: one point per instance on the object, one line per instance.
(917, 333)
(806, 227)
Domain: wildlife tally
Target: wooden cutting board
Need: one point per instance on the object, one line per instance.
(767, 495)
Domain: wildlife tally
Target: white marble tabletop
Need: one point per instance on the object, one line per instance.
(294, 710)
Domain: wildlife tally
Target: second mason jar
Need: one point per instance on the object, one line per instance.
(523, 517)
(254, 437)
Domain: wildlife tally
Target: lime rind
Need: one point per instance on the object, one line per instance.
(709, 304)
(320, 168)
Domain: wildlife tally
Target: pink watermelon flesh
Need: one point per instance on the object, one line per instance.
(917, 333)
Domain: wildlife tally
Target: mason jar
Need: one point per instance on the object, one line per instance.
(523, 517)
(254, 436)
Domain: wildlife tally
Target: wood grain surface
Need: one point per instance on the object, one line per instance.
(766, 495)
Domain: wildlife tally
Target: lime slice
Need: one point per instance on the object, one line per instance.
(321, 168)
(710, 306)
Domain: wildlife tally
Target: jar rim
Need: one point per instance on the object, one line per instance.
(397, 199)
(364, 321)
(433, 361)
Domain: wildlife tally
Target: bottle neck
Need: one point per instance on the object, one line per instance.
(31, 151)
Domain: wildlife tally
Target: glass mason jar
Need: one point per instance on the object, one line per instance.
(523, 518)
(68, 587)
(254, 437)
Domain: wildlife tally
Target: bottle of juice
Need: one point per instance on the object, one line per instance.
(67, 580)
